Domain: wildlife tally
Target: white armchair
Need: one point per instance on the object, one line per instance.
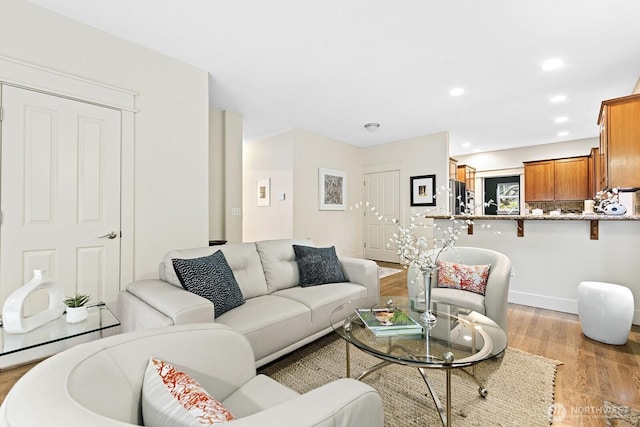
(99, 384)
(494, 303)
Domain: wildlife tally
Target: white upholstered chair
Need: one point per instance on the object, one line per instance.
(494, 303)
(99, 384)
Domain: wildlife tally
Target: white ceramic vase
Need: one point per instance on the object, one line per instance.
(76, 314)
(13, 310)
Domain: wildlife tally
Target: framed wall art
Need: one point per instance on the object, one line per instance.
(332, 187)
(423, 190)
(264, 192)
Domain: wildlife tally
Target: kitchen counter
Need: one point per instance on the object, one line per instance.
(520, 219)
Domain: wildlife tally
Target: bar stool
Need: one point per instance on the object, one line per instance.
(605, 311)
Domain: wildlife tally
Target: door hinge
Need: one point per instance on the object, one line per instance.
(364, 244)
(0, 217)
(1, 113)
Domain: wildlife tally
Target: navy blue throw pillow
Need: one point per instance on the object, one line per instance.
(318, 266)
(210, 277)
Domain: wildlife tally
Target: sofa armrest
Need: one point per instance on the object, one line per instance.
(176, 303)
(363, 272)
(344, 402)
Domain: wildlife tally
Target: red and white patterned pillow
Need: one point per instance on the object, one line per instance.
(171, 397)
(472, 278)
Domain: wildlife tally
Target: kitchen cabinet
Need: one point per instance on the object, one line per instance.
(571, 179)
(557, 180)
(539, 181)
(619, 122)
(453, 168)
(467, 174)
(594, 172)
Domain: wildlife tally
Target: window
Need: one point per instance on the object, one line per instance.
(502, 195)
(508, 198)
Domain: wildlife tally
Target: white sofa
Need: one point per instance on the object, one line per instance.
(278, 316)
(99, 384)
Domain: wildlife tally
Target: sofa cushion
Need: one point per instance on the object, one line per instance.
(317, 266)
(322, 300)
(472, 278)
(211, 278)
(242, 258)
(167, 271)
(270, 323)
(279, 262)
(170, 398)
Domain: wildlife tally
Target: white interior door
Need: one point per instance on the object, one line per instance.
(382, 190)
(59, 193)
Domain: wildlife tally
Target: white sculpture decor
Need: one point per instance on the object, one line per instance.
(12, 312)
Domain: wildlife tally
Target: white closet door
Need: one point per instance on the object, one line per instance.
(382, 190)
(60, 192)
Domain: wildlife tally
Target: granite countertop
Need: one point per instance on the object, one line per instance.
(561, 217)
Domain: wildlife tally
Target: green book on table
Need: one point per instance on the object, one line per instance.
(385, 321)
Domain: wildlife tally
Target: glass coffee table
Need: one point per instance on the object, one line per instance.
(100, 318)
(460, 338)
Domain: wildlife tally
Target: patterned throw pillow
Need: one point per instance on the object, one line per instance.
(210, 277)
(472, 278)
(318, 266)
(170, 397)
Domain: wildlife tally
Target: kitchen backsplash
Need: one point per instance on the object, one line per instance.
(565, 207)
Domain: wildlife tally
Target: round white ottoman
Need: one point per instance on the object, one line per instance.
(605, 311)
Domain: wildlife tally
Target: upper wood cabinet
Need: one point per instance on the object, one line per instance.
(572, 179)
(594, 177)
(539, 181)
(557, 180)
(619, 122)
(453, 168)
(467, 174)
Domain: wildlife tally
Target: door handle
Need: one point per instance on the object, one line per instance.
(111, 235)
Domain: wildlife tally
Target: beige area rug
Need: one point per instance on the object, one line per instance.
(617, 415)
(521, 386)
(386, 271)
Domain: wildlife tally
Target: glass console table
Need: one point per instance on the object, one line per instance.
(459, 339)
(100, 318)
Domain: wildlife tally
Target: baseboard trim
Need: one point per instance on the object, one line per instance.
(552, 303)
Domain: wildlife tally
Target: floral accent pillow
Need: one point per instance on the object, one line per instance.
(171, 397)
(472, 278)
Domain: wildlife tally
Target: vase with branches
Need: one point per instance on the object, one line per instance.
(419, 244)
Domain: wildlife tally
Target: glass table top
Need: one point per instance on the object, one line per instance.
(465, 335)
(100, 318)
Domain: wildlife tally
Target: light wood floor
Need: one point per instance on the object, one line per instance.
(591, 372)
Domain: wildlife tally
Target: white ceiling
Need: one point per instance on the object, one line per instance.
(330, 66)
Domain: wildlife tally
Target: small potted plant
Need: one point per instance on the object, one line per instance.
(76, 310)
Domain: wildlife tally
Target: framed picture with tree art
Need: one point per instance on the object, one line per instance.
(332, 188)
(423, 190)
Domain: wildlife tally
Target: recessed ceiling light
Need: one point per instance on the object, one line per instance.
(456, 91)
(552, 64)
(563, 133)
(561, 119)
(466, 144)
(558, 98)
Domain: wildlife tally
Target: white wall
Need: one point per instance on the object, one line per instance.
(553, 257)
(232, 176)
(423, 155)
(513, 158)
(326, 228)
(271, 158)
(292, 160)
(171, 127)
(216, 175)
